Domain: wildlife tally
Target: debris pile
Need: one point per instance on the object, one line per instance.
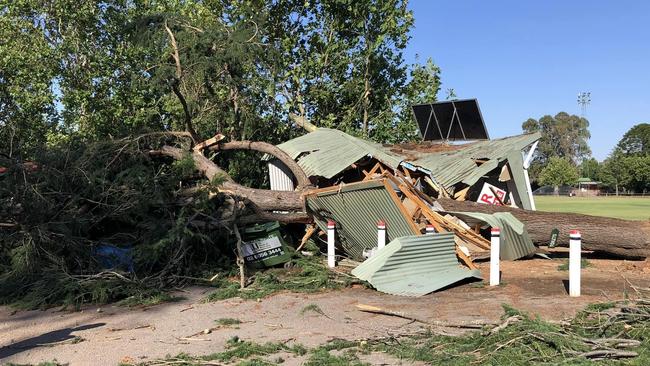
(457, 191)
(409, 219)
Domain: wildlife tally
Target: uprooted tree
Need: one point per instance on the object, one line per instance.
(165, 199)
(619, 237)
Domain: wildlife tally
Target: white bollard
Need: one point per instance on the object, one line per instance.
(495, 256)
(430, 229)
(381, 234)
(331, 259)
(575, 254)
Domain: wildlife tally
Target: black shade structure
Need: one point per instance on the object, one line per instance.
(451, 120)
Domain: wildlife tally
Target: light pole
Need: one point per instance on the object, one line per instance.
(584, 99)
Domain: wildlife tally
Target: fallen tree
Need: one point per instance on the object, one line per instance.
(623, 238)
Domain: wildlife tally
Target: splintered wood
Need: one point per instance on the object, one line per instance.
(417, 206)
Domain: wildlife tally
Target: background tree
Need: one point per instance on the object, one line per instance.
(636, 141)
(563, 135)
(627, 167)
(558, 171)
(590, 168)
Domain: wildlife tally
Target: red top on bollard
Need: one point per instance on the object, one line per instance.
(574, 233)
(495, 231)
(381, 224)
(331, 224)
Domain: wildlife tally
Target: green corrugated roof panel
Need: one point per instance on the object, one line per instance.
(415, 265)
(356, 208)
(515, 241)
(452, 167)
(326, 152)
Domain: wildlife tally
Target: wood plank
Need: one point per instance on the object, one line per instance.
(308, 233)
(371, 172)
(435, 218)
(209, 142)
(401, 207)
(460, 195)
(467, 260)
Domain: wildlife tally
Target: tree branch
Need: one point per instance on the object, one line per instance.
(301, 177)
(175, 83)
(303, 122)
(259, 200)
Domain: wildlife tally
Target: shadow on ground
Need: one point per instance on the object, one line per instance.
(45, 340)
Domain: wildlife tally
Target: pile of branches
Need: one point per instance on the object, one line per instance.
(617, 330)
(62, 212)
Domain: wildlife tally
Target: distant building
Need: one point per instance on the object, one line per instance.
(586, 187)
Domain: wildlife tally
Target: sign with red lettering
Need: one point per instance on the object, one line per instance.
(491, 195)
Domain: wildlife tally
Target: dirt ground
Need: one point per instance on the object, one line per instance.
(110, 334)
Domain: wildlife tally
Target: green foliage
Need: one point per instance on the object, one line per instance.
(629, 172)
(323, 357)
(77, 77)
(590, 168)
(563, 135)
(236, 350)
(150, 299)
(525, 340)
(307, 274)
(226, 322)
(628, 166)
(423, 87)
(103, 69)
(311, 308)
(559, 171)
(636, 141)
(84, 197)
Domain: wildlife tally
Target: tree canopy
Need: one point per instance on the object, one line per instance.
(249, 70)
(559, 171)
(102, 105)
(628, 166)
(563, 135)
(636, 141)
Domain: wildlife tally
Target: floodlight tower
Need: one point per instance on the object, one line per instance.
(584, 99)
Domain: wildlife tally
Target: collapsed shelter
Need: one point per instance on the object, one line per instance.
(361, 182)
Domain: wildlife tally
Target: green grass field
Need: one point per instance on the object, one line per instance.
(630, 208)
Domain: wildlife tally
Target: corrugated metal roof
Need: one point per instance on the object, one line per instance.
(452, 167)
(515, 241)
(326, 152)
(329, 152)
(356, 208)
(415, 265)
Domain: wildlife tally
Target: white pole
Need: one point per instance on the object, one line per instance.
(574, 263)
(529, 156)
(381, 234)
(331, 259)
(495, 248)
(527, 160)
(430, 229)
(529, 190)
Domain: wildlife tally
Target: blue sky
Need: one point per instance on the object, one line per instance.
(526, 59)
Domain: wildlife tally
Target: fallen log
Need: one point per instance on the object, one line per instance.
(262, 201)
(622, 238)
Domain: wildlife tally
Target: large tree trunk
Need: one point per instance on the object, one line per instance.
(624, 238)
(262, 201)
